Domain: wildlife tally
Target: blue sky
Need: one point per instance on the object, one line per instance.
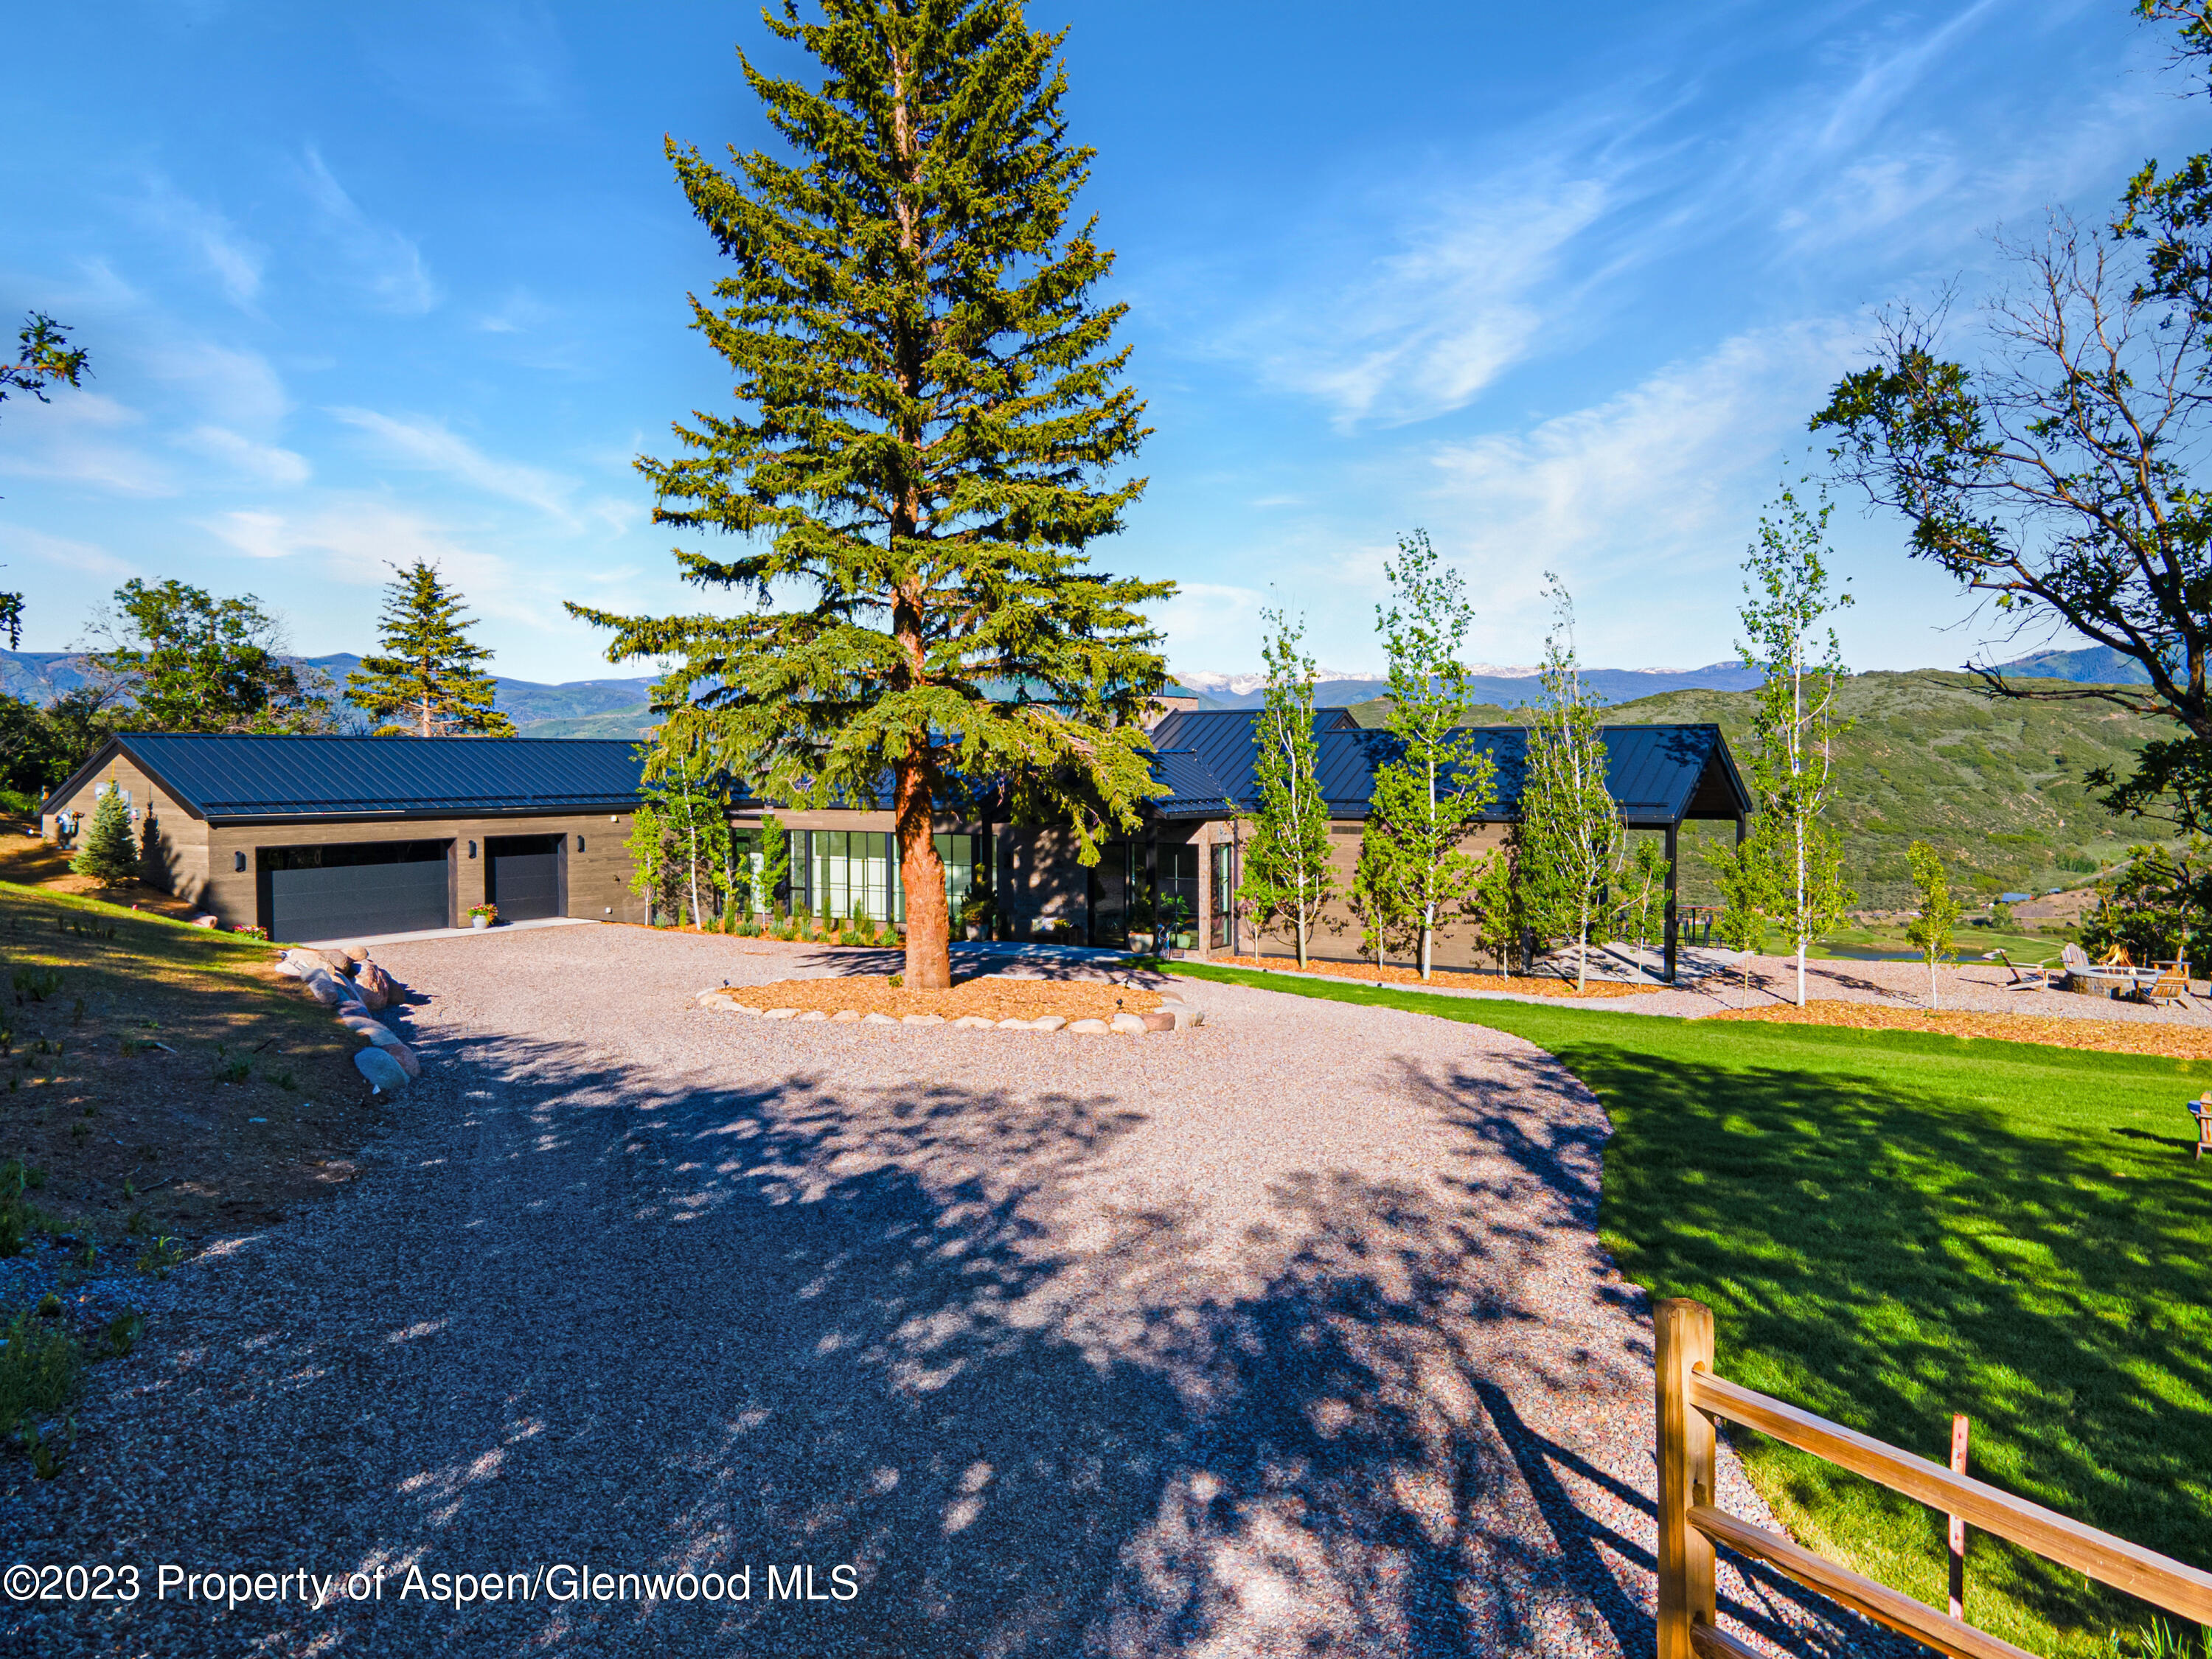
(1559, 285)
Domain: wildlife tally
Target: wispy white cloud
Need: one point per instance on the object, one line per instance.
(236, 262)
(231, 387)
(434, 448)
(1421, 329)
(62, 552)
(387, 262)
(83, 439)
(1665, 477)
(357, 540)
(261, 464)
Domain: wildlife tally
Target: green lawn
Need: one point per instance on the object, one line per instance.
(2024, 947)
(1891, 1227)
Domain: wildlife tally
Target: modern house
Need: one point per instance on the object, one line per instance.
(323, 837)
(319, 838)
(1661, 777)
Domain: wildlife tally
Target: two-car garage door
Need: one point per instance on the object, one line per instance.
(340, 890)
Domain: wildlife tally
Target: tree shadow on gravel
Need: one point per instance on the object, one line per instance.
(920, 1333)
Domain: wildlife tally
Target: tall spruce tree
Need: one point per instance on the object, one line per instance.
(428, 674)
(1436, 781)
(1288, 878)
(1570, 830)
(930, 406)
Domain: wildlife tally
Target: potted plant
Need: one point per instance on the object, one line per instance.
(483, 915)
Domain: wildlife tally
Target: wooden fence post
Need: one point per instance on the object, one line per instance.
(1682, 1330)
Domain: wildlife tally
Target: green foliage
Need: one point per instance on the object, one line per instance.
(2157, 907)
(1288, 878)
(1931, 932)
(1744, 875)
(1571, 837)
(679, 841)
(1892, 1227)
(40, 747)
(429, 673)
(1795, 724)
(41, 1368)
(109, 853)
(189, 662)
(1640, 892)
(775, 872)
(930, 402)
(1495, 906)
(1435, 782)
(2063, 475)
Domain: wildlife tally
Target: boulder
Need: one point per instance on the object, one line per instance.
(324, 989)
(1127, 1024)
(1163, 1020)
(353, 952)
(779, 1013)
(337, 961)
(1016, 1025)
(405, 1055)
(923, 1020)
(361, 1023)
(812, 1015)
(384, 1038)
(846, 1016)
(752, 1008)
(207, 921)
(384, 1074)
(973, 1023)
(1052, 1023)
(878, 1019)
(369, 973)
(721, 1000)
(1089, 1027)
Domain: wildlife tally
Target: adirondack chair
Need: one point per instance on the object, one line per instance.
(2075, 961)
(2172, 984)
(2201, 1110)
(2035, 978)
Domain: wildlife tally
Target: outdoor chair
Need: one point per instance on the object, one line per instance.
(2075, 962)
(2035, 977)
(2201, 1110)
(2172, 984)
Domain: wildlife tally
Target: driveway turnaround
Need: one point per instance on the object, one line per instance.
(652, 1329)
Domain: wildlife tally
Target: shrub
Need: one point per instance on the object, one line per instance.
(41, 1366)
(37, 984)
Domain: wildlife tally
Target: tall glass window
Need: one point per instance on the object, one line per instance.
(840, 873)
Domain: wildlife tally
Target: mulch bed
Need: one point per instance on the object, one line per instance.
(990, 996)
(1366, 972)
(2103, 1036)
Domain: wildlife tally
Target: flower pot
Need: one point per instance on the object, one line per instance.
(479, 921)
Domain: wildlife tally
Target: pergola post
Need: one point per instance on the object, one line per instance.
(1672, 843)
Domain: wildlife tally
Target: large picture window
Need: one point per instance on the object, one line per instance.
(840, 873)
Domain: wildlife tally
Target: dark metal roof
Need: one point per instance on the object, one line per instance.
(232, 778)
(1658, 774)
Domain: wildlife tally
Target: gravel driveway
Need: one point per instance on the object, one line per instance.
(1289, 1334)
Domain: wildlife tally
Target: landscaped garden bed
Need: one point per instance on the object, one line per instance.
(990, 997)
(1527, 985)
(2169, 1039)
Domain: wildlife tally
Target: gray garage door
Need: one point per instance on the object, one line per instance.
(344, 890)
(524, 877)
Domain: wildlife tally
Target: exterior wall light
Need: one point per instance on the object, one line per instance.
(472, 849)
(238, 862)
(579, 843)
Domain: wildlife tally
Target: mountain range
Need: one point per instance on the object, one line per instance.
(620, 708)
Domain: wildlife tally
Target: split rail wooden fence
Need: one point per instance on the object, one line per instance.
(1691, 1399)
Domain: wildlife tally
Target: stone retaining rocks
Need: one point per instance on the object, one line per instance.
(1172, 1015)
(383, 1071)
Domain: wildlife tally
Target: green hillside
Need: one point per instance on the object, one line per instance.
(1996, 786)
(634, 721)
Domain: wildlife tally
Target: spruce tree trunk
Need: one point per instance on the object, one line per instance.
(928, 922)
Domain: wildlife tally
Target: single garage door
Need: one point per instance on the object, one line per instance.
(524, 877)
(343, 890)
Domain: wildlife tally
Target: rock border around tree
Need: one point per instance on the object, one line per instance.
(1173, 1014)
